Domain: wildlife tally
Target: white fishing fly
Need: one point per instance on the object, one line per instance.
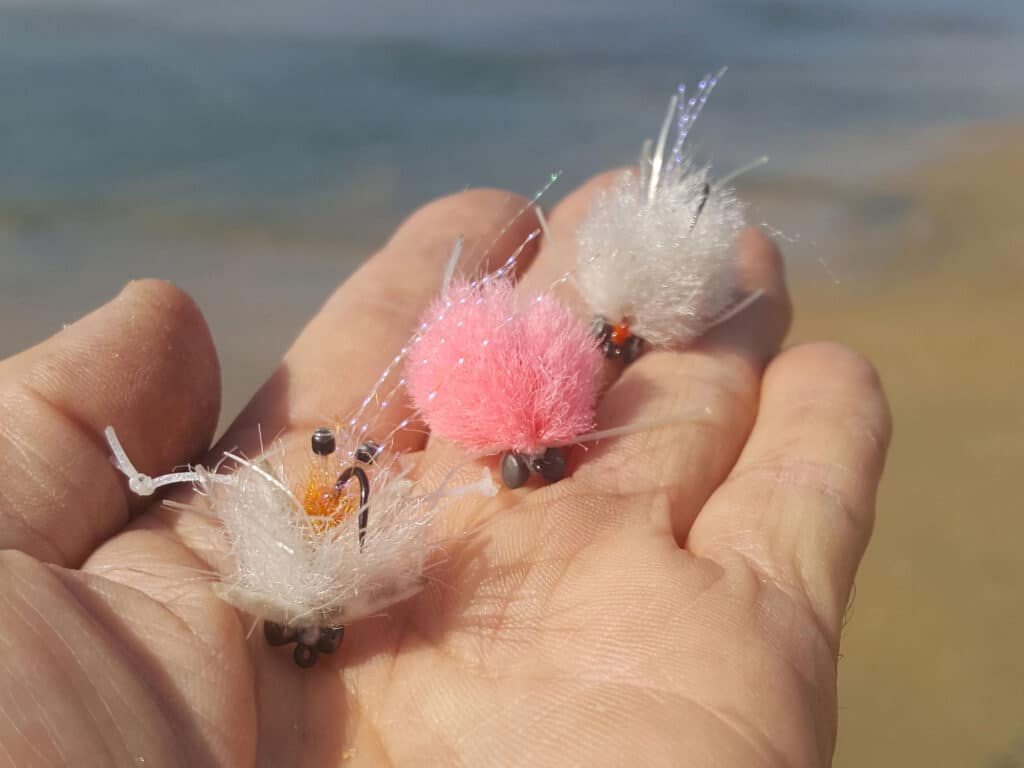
(312, 554)
(656, 253)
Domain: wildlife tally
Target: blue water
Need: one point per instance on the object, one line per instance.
(154, 138)
(279, 107)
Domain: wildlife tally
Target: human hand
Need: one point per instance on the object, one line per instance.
(676, 601)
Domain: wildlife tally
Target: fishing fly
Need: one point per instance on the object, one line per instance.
(656, 254)
(500, 373)
(350, 538)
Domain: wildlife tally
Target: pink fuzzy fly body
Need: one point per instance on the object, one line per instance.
(496, 372)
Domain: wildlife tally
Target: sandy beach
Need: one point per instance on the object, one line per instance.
(932, 668)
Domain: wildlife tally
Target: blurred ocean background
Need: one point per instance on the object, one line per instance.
(255, 153)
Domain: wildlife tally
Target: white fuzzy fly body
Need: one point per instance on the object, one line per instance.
(306, 566)
(298, 569)
(287, 569)
(657, 251)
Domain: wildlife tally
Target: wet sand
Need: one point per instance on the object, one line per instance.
(933, 666)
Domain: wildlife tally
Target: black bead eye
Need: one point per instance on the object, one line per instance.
(278, 634)
(515, 470)
(323, 442)
(367, 452)
(330, 639)
(305, 655)
(550, 465)
(309, 641)
(601, 328)
(611, 350)
(632, 349)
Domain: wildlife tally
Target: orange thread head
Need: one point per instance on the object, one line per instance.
(323, 503)
(619, 335)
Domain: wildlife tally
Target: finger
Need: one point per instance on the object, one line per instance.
(144, 363)
(706, 395)
(799, 504)
(337, 359)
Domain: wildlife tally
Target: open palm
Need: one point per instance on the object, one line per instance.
(676, 601)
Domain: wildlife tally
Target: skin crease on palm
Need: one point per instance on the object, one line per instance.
(676, 601)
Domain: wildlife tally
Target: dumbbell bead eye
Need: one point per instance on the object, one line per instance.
(367, 451)
(305, 655)
(632, 349)
(515, 470)
(550, 465)
(278, 634)
(323, 442)
(330, 639)
(601, 328)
